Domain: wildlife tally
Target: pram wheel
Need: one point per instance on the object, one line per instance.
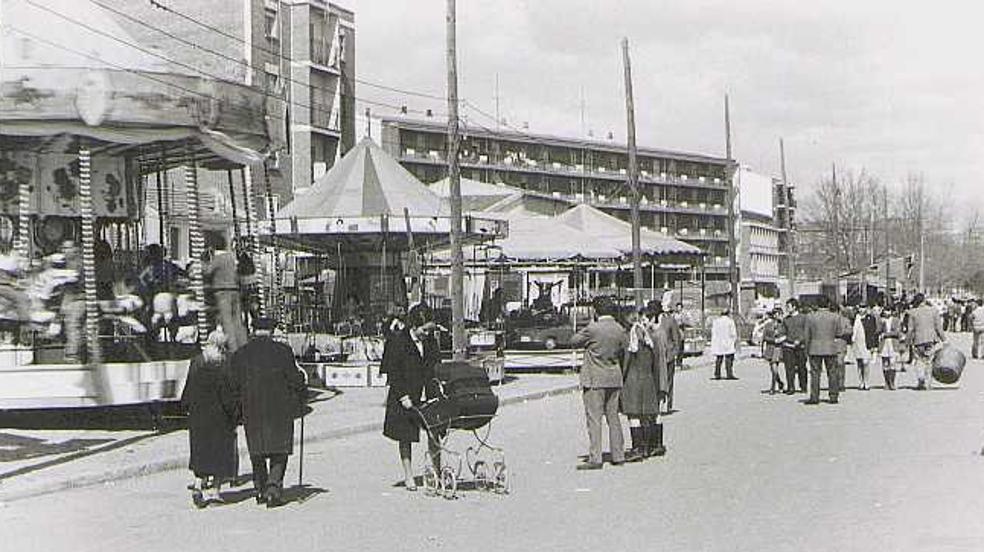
(449, 482)
(431, 484)
(500, 477)
(481, 472)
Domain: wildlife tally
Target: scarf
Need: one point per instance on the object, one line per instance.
(636, 333)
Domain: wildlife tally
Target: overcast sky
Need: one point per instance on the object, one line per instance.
(889, 86)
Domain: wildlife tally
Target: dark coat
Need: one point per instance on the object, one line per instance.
(872, 331)
(407, 374)
(604, 342)
(271, 391)
(210, 400)
(644, 378)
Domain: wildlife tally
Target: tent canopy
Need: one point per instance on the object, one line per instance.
(367, 182)
(618, 233)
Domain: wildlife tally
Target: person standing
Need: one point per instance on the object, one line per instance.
(772, 338)
(823, 328)
(859, 348)
(925, 332)
(271, 391)
(977, 325)
(724, 339)
(888, 335)
(409, 357)
(793, 351)
(223, 280)
(209, 399)
(604, 342)
(644, 370)
(674, 347)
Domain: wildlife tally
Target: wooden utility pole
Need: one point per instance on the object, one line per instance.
(836, 221)
(454, 180)
(633, 176)
(790, 225)
(888, 261)
(733, 274)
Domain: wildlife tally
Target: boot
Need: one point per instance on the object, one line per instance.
(890, 375)
(656, 440)
(638, 451)
(779, 383)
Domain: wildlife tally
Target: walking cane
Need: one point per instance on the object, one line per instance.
(300, 463)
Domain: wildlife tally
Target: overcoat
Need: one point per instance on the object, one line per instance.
(408, 373)
(825, 331)
(271, 391)
(644, 372)
(773, 335)
(211, 404)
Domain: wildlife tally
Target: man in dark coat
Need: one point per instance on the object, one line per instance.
(674, 337)
(793, 352)
(271, 391)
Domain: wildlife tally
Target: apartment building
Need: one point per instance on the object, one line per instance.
(766, 234)
(683, 195)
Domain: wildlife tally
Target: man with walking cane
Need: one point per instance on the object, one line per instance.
(270, 389)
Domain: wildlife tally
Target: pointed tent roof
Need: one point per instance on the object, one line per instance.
(365, 182)
(476, 195)
(536, 237)
(614, 230)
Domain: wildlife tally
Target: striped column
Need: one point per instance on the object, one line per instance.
(196, 247)
(277, 280)
(89, 257)
(254, 248)
(23, 243)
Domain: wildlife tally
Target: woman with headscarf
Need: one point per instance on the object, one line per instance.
(212, 416)
(409, 358)
(640, 390)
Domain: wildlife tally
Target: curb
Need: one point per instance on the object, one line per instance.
(178, 463)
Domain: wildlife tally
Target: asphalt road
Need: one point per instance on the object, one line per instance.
(745, 471)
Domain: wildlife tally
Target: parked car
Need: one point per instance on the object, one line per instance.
(694, 341)
(548, 330)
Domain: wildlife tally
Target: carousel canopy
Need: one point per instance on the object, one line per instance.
(69, 69)
(359, 204)
(367, 182)
(475, 195)
(539, 238)
(618, 233)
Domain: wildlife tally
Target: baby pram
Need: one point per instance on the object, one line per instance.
(462, 401)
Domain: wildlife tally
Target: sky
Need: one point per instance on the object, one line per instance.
(891, 87)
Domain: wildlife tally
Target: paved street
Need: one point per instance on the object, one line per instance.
(745, 471)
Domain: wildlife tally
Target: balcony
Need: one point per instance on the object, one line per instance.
(323, 117)
(321, 56)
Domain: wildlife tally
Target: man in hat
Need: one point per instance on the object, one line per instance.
(270, 389)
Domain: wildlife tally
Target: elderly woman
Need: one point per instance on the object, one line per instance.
(212, 415)
(409, 358)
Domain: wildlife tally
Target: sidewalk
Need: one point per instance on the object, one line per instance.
(36, 462)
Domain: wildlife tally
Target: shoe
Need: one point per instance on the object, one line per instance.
(789, 392)
(618, 463)
(716, 378)
(731, 377)
(588, 466)
(198, 499)
(274, 498)
(833, 400)
(656, 440)
(811, 402)
(261, 498)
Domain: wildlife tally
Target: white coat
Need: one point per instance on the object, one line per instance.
(724, 336)
(859, 349)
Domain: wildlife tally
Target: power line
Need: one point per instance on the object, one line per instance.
(244, 63)
(283, 57)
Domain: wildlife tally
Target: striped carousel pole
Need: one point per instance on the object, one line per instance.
(196, 246)
(277, 280)
(23, 243)
(88, 256)
(254, 249)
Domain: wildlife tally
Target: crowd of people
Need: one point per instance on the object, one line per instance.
(802, 342)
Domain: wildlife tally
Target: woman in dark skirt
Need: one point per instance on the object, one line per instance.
(212, 410)
(641, 385)
(409, 358)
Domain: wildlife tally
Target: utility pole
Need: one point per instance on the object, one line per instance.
(922, 244)
(454, 180)
(888, 262)
(836, 217)
(791, 246)
(732, 218)
(633, 177)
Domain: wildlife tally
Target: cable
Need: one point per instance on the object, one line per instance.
(283, 57)
(240, 61)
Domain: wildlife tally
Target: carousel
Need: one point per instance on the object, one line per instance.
(354, 249)
(94, 312)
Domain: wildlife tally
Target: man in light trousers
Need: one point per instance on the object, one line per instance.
(604, 342)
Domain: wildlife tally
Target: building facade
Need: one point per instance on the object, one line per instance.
(301, 53)
(682, 195)
(766, 235)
